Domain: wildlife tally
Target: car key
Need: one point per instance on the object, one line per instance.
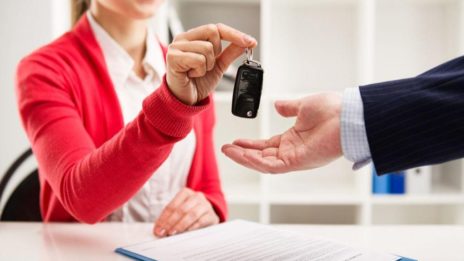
(247, 88)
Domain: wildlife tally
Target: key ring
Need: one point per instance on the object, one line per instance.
(249, 57)
(249, 54)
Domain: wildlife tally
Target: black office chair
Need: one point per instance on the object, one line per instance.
(23, 203)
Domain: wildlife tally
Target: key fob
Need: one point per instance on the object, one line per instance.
(247, 89)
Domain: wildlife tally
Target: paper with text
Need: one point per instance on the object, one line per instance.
(243, 240)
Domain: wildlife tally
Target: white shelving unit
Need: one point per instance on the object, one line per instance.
(330, 45)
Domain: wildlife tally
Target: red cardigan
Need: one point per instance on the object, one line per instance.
(89, 162)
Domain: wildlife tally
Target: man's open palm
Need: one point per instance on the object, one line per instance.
(312, 142)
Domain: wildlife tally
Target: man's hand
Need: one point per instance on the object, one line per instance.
(312, 142)
(189, 210)
(195, 60)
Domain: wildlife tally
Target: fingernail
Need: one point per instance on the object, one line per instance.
(162, 232)
(173, 233)
(249, 39)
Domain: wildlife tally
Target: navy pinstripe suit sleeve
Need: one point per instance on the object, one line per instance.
(416, 121)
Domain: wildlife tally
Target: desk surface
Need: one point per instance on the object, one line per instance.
(59, 241)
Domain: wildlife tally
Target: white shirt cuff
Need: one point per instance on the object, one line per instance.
(355, 146)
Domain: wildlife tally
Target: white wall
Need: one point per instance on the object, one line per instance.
(24, 26)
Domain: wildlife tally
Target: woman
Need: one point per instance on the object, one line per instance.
(118, 134)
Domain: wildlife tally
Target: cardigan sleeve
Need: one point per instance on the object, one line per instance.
(92, 182)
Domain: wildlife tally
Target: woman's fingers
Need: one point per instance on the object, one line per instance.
(228, 56)
(193, 63)
(198, 51)
(207, 32)
(164, 221)
(204, 221)
(186, 209)
(238, 42)
(215, 33)
(204, 48)
(190, 217)
(236, 37)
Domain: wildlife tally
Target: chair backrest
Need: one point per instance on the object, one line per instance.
(23, 202)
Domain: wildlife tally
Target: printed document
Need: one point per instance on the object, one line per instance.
(243, 240)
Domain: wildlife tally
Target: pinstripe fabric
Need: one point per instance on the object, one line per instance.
(353, 132)
(416, 121)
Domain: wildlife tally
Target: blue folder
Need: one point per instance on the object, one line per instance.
(136, 256)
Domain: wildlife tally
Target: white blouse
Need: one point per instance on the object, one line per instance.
(171, 176)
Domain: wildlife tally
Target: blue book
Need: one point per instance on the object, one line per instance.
(397, 183)
(380, 184)
(390, 183)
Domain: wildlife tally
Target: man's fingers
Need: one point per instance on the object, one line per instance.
(268, 152)
(270, 164)
(273, 142)
(288, 108)
(237, 154)
(236, 37)
(265, 160)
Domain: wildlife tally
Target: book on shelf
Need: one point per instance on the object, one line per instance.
(390, 183)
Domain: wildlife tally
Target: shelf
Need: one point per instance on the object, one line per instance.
(334, 179)
(431, 199)
(315, 199)
(417, 214)
(244, 211)
(315, 214)
(447, 177)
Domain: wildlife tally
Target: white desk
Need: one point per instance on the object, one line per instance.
(58, 241)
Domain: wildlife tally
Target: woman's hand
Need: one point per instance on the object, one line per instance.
(189, 210)
(195, 60)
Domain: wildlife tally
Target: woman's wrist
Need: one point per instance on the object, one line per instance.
(166, 113)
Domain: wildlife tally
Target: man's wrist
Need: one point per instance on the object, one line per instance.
(355, 146)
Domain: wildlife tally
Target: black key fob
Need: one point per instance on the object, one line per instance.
(247, 89)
